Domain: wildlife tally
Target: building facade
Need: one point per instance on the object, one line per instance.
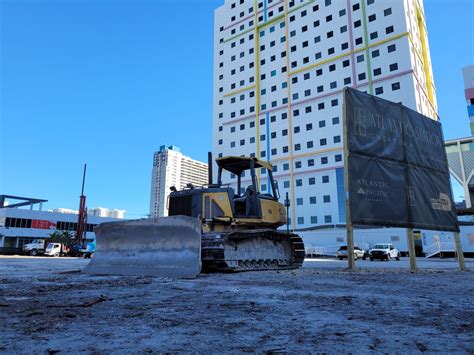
(280, 68)
(172, 168)
(96, 211)
(21, 226)
(468, 76)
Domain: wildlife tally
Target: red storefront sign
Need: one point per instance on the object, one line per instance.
(41, 224)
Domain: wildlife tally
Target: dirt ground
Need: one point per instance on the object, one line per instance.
(46, 305)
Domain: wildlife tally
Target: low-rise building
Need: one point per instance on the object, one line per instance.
(20, 226)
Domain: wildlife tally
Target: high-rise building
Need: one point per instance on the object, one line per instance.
(280, 68)
(172, 168)
(468, 76)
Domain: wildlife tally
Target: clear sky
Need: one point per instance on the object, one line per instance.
(109, 81)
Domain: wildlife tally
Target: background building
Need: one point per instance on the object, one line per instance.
(97, 211)
(172, 168)
(280, 68)
(460, 153)
(19, 226)
(468, 76)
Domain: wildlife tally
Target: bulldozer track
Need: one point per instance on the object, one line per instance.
(215, 249)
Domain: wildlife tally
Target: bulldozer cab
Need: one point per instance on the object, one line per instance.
(247, 200)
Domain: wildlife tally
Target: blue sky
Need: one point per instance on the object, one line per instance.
(108, 82)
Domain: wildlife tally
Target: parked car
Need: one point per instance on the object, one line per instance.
(36, 247)
(384, 251)
(342, 252)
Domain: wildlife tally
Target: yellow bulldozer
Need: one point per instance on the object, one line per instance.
(209, 228)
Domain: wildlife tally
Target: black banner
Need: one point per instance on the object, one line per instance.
(398, 170)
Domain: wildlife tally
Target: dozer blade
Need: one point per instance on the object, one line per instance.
(162, 247)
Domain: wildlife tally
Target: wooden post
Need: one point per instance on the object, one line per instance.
(457, 242)
(411, 249)
(349, 228)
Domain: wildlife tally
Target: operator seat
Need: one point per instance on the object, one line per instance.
(245, 205)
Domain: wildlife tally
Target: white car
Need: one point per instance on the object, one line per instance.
(342, 252)
(384, 251)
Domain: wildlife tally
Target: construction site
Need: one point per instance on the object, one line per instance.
(48, 305)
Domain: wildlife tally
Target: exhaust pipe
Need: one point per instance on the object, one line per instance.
(209, 167)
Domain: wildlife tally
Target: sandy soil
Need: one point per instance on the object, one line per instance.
(47, 306)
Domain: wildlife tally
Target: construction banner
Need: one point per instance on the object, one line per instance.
(397, 166)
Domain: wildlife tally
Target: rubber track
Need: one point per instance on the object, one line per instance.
(213, 259)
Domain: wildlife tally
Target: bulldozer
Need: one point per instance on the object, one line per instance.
(209, 228)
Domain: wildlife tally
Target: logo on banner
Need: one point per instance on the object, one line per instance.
(374, 190)
(442, 203)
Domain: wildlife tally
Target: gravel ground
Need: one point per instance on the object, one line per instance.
(47, 305)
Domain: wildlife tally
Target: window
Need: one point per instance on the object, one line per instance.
(355, 7)
(232, 144)
(299, 201)
(220, 141)
(338, 157)
(377, 71)
(342, 12)
(309, 126)
(372, 18)
(360, 58)
(309, 144)
(312, 200)
(391, 48)
(286, 184)
(395, 86)
(314, 219)
(327, 198)
(389, 29)
(358, 41)
(375, 53)
(357, 23)
(310, 162)
(332, 67)
(335, 120)
(323, 141)
(393, 67)
(311, 181)
(325, 179)
(337, 139)
(322, 124)
(361, 76)
(299, 182)
(297, 147)
(379, 90)
(334, 102)
(387, 12)
(300, 220)
(297, 165)
(328, 219)
(317, 39)
(286, 166)
(324, 160)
